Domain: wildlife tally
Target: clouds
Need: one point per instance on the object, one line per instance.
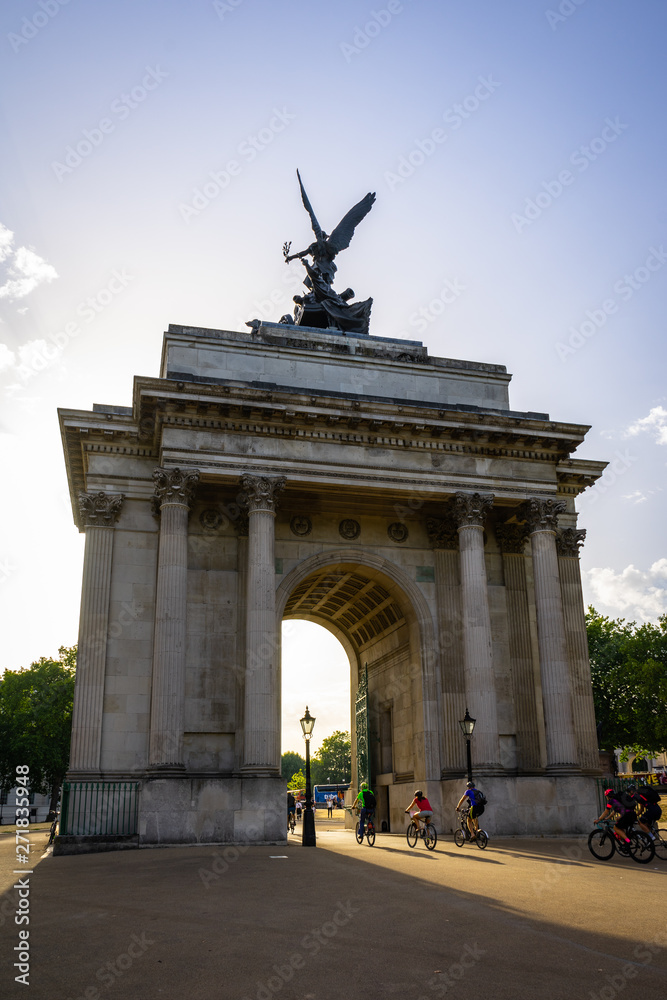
(25, 270)
(640, 595)
(655, 423)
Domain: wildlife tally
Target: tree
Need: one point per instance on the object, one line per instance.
(36, 722)
(332, 763)
(297, 781)
(291, 762)
(629, 674)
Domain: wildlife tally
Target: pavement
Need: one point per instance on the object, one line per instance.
(522, 920)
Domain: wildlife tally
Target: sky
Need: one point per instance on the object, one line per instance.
(149, 152)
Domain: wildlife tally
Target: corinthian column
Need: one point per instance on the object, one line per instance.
(568, 543)
(174, 491)
(443, 536)
(99, 512)
(542, 518)
(261, 741)
(469, 511)
(512, 541)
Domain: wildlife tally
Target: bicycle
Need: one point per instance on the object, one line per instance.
(603, 844)
(659, 842)
(427, 833)
(463, 835)
(368, 831)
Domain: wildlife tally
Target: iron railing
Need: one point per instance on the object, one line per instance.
(621, 783)
(99, 808)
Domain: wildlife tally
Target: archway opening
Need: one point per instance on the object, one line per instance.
(380, 619)
(315, 672)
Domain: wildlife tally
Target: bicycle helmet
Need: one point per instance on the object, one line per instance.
(470, 784)
(609, 791)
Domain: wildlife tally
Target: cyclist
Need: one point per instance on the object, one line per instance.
(649, 798)
(474, 809)
(424, 810)
(366, 802)
(291, 808)
(621, 804)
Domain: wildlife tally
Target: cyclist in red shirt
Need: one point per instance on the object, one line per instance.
(424, 810)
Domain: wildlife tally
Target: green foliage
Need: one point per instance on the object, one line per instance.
(291, 762)
(36, 721)
(297, 781)
(332, 764)
(629, 674)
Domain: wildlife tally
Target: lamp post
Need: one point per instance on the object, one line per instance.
(467, 724)
(308, 832)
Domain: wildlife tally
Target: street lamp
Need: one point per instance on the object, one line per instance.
(308, 831)
(467, 724)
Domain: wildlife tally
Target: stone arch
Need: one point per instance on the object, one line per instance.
(366, 601)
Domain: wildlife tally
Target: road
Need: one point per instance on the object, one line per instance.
(525, 919)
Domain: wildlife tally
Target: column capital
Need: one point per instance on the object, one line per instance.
(471, 509)
(442, 532)
(100, 510)
(542, 513)
(512, 538)
(569, 541)
(174, 486)
(261, 492)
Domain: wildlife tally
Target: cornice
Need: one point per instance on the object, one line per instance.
(261, 412)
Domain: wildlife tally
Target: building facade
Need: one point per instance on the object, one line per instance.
(353, 481)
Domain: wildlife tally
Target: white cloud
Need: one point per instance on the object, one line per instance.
(6, 241)
(655, 422)
(638, 497)
(26, 270)
(640, 595)
(7, 358)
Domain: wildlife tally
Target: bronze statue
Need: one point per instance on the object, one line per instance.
(320, 306)
(326, 247)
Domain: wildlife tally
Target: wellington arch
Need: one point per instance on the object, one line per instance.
(358, 482)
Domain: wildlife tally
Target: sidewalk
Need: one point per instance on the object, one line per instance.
(520, 921)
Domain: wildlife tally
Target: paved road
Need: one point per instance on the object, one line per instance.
(521, 921)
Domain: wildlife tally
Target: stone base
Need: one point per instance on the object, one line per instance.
(212, 811)
(541, 806)
(93, 845)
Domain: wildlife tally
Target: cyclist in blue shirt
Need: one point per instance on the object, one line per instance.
(474, 810)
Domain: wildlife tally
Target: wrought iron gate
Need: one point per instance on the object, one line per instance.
(362, 730)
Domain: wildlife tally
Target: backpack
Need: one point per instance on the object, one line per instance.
(480, 797)
(627, 799)
(649, 794)
(369, 799)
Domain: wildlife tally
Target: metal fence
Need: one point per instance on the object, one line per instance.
(619, 784)
(99, 808)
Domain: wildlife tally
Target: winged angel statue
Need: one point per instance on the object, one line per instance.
(322, 307)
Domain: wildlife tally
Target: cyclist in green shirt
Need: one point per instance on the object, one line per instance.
(366, 800)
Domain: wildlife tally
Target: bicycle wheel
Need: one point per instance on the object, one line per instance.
(411, 835)
(660, 844)
(430, 837)
(359, 836)
(642, 848)
(370, 835)
(459, 838)
(482, 839)
(601, 844)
